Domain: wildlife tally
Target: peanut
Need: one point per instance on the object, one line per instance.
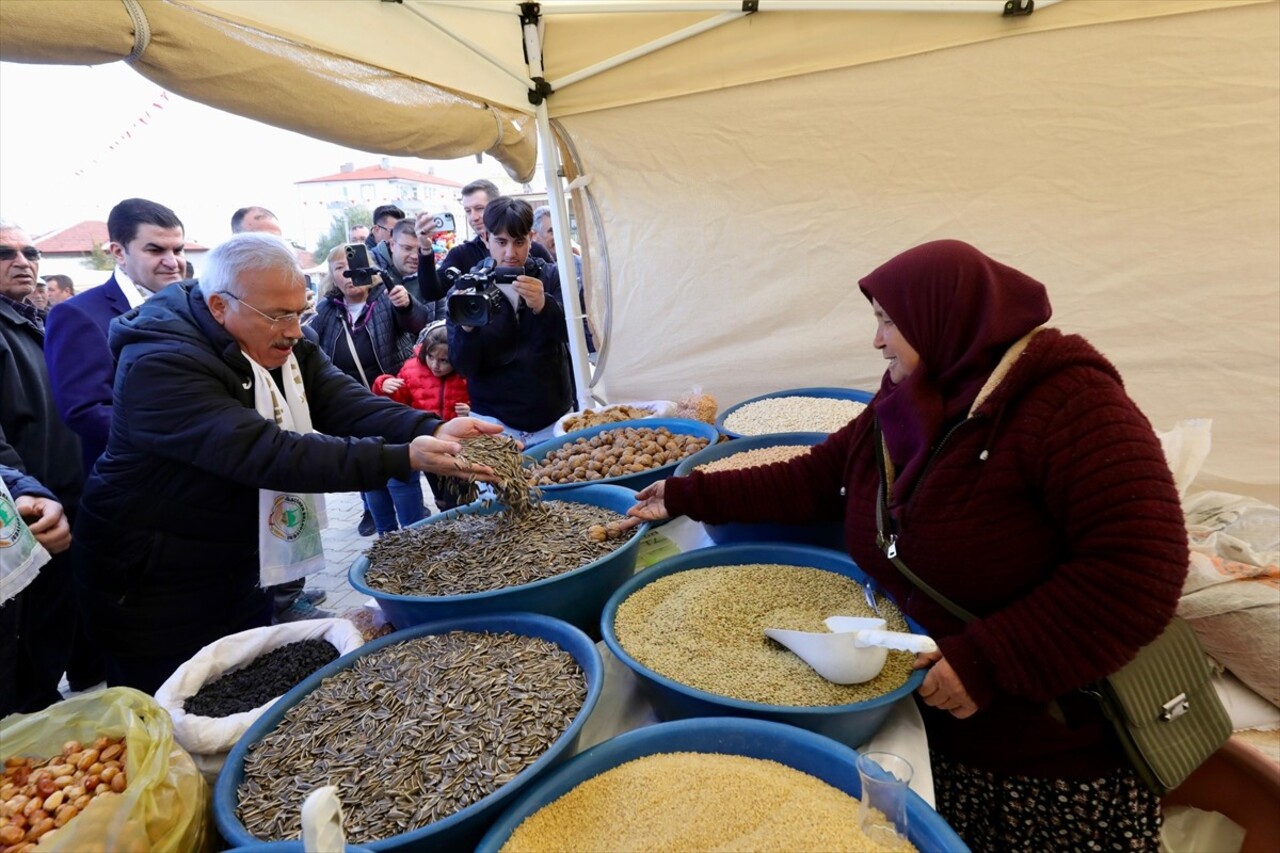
(118, 782)
(62, 782)
(82, 801)
(71, 746)
(15, 804)
(39, 829)
(11, 834)
(95, 768)
(32, 805)
(52, 801)
(87, 759)
(65, 813)
(110, 752)
(107, 772)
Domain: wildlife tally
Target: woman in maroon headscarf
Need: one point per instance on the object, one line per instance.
(1023, 485)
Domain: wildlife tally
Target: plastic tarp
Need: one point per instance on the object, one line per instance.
(1122, 151)
(1142, 186)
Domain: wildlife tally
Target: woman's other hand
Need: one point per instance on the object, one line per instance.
(650, 505)
(47, 522)
(942, 687)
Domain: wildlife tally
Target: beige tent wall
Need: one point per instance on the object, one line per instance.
(1131, 167)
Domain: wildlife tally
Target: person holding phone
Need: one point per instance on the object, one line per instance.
(358, 322)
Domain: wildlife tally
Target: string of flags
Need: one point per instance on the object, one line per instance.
(141, 121)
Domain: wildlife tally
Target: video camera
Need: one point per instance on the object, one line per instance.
(359, 269)
(475, 297)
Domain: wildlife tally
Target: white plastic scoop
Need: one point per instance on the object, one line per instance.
(854, 651)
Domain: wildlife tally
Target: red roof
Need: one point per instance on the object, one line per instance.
(84, 237)
(377, 173)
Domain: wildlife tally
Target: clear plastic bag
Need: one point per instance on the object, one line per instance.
(165, 805)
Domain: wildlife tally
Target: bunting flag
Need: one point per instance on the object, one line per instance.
(141, 121)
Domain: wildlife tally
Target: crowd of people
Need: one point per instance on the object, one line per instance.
(143, 416)
(168, 442)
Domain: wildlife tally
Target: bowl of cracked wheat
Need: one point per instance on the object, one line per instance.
(691, 628)
(714, 783)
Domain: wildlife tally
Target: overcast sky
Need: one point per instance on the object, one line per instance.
(58, 166)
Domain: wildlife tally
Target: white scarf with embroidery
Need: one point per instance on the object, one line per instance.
(289, 523)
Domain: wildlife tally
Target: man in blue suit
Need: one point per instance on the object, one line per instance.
(147, 241)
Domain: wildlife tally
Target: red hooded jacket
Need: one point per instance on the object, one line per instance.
(423, 390)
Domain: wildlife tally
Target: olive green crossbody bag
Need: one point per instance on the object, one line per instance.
(1161, 704)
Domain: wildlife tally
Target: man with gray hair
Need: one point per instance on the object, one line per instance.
(227, 426)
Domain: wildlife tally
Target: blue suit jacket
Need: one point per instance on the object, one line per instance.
(81, 368)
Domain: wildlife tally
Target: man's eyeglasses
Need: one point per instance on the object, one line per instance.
(8, 253)
(276, 322)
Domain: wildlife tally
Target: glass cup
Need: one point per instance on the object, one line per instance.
(882, 813)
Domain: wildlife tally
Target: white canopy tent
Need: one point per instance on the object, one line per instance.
(737, 172)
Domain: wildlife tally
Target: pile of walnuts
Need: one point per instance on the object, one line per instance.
(615, 453)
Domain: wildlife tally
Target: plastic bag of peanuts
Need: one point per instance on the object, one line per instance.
(153, 797)
(697, 406)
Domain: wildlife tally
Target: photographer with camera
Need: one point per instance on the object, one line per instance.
(358, 323)
(507, 331)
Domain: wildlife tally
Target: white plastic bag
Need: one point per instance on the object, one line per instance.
(209, 739)
(1185, 447)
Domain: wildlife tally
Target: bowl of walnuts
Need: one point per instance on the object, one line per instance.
(630, 453)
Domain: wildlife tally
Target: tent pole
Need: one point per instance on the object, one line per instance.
(573, 315)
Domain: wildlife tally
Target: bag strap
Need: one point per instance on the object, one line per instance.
(355, 356)
(889, 544)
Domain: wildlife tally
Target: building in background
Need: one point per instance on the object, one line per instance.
(71, 251)
(328, 196)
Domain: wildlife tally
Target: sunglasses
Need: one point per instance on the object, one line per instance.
(8, 253)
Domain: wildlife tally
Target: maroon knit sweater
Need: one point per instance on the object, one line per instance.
(1067, 541)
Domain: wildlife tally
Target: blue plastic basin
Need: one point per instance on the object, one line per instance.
(827, 534)
(631, 481)
(576, 596)
(809, 753)
(461, 829)
(852, 724)
(834, 393)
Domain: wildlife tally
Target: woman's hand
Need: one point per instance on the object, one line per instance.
(47, 522)
(650, 505)
(530, 289)
(942, 687)
(391, 386)
(399, 296)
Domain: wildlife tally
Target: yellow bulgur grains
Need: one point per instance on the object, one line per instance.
(705, 628)
(691, 801)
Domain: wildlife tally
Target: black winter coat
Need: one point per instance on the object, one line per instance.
(167, 545)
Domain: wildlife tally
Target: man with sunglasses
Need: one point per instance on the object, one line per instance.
(39, 621)
(227, 423)
(385, 217)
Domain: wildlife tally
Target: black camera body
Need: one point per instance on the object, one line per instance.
(359, 268)
(475, 297)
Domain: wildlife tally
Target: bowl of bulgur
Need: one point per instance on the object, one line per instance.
(794, 410)
(754, 451)
(711, 783)
(691, 628)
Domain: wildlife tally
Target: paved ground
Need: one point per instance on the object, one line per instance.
(342, 544)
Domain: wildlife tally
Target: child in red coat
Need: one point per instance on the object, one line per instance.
(428, 381)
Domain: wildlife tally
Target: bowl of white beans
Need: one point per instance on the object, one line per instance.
(825, 410)
(758, 450)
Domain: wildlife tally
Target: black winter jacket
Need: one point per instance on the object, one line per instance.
(167, 545)
(517, 366)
